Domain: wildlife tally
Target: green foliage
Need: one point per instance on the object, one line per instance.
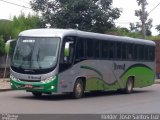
(153, 38)
(5, 29)
(7, 47)
(24, 23)
(124, 32)
(11, 29)
(2, 45)
(88, 15)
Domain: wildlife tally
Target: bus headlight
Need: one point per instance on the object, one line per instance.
(13, 78)
(49, 79)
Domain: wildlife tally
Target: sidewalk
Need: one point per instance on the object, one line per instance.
(157, 81)
(5, 84)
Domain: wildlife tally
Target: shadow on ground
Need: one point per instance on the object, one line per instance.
(87, 95)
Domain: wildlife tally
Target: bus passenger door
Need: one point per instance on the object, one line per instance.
(66, 72)
(67, 53)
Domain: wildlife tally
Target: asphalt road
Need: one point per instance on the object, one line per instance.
(143, 100)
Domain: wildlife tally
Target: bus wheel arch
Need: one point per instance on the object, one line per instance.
(79, 87)
(129, 85)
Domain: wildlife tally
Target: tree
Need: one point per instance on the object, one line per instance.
(120, 31)
(11, 29)
(2, 45)
(88, 15)
(145, 24)
(5, 29)
(158, 28)
(21, 23)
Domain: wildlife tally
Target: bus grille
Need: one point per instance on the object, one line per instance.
(30, 80)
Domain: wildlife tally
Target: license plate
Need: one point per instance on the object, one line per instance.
(28, 86)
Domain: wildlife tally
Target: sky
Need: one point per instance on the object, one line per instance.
(7, 11)
(128, 15)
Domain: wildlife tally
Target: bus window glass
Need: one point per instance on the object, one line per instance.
(129, 51)
(141, 52)
(105, 49)
(36, 53)
(151, 53)
(96, 49)
(124, 51)
(111, 50)
(119, 50)
(135, 52)
(80, 52)
(89, 48)
(146, 53)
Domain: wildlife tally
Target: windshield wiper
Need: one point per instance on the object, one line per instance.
(40, 67)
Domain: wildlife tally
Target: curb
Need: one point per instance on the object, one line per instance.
(157, 82)
(8, 88)
(5, 90)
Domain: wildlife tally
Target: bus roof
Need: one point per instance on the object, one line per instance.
(72, 32)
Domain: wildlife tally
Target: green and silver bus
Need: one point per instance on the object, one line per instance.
(49, 61)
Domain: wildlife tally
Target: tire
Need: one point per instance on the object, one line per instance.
(78, 90)
(37, 94)
(129, 86)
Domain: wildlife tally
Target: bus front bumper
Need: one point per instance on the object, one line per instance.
(48, 86)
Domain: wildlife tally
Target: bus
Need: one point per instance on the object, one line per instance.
(49, 61)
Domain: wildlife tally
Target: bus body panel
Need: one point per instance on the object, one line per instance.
(107, 75)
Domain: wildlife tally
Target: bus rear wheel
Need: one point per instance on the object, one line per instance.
(78, 90)
(37, 94)
(129, 86)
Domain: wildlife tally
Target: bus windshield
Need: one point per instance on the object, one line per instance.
(36, 52)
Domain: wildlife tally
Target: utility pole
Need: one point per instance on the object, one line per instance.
(143, 20)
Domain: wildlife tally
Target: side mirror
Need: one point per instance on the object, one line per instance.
(67, 51)
(9, 44)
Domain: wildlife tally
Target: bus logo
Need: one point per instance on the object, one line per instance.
(34, 77)
(119, 67)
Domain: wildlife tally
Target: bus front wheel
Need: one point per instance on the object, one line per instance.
(78, 90)
(129, 86)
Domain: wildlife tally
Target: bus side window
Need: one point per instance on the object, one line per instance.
(89, 48)
(141, 52)
(129, 51)
(151, 53)
(146, 53)
(80, 49)
(124, 51)
(105, 49)
(96, 48)
(111, 50)
(118, 50)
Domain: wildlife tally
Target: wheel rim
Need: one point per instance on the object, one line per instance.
(78, 89)
(129, 85)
